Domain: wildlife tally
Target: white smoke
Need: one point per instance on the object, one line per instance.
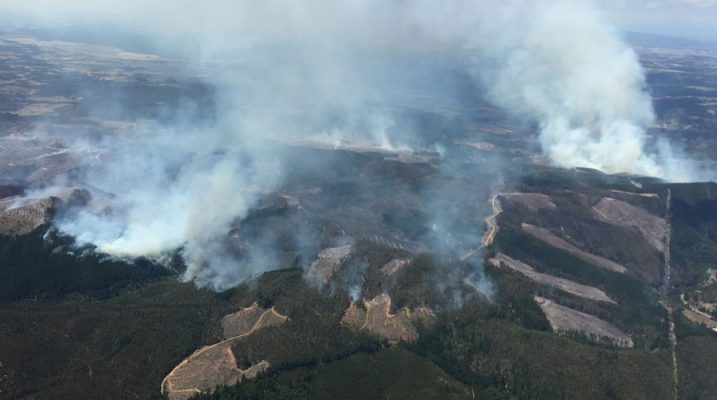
(175, 190)
(558, 63)
(568, 69)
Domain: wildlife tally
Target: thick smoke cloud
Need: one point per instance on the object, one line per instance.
(288, 70)
(168, 194)
(569, 71)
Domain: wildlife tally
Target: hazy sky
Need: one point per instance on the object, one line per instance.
(680, 18)
(696, 19)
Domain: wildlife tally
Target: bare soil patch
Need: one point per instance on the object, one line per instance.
(618, 212)
(552, 240)
(377, 319)
(216, 365)
(700, 318)
(23, 219)
(327, 264)
(568, 286)
(563, 320)
(21, 215)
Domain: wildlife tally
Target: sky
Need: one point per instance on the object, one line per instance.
(691, 19)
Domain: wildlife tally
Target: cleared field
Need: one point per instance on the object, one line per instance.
(22, 219)
(552, 240)
(563, 319)
(584, 291)
(250, 319)
(617, 212)
(327, 264)
(700, 318)
(216, 365)
(377, 319)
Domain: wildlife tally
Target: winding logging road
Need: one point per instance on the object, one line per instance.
(492, 222)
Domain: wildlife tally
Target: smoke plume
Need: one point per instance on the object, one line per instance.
(568, 69)
(286, 71)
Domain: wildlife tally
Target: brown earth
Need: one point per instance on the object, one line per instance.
(620, 213)
(354, 317)
(552, 240)
(253, 317)
(216, 365)
(21, 215)
(377, 319)
(563, 320)
(587, 292)
(22, 219)
(700, 318)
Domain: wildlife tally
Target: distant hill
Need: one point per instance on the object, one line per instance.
(650, 40)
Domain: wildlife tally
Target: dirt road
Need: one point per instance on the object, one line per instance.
(491, 222)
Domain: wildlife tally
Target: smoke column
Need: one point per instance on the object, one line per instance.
(569, 70)
(283, 67)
